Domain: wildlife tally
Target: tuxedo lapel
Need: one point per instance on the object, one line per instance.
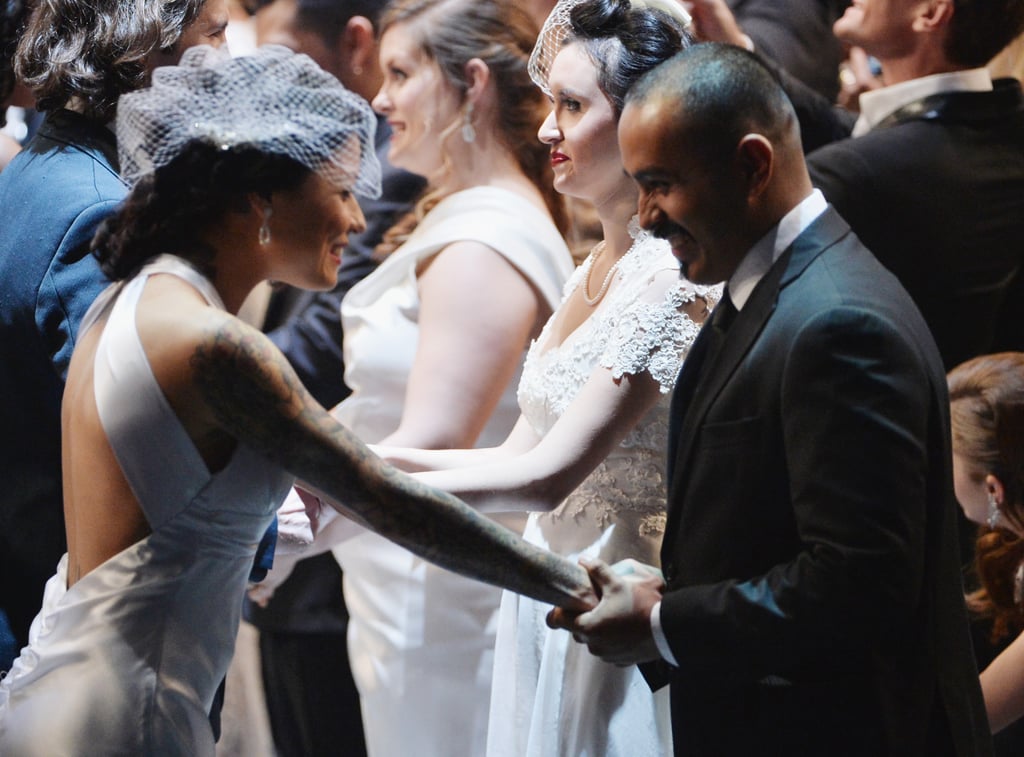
(697, 389)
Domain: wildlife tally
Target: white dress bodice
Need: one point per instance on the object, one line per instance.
(127, 660)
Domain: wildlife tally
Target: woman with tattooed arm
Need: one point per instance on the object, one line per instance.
(183, 428)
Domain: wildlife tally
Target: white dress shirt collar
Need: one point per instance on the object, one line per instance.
(767, 250)
(878, 104)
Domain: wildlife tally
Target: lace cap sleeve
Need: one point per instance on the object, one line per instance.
(652, 333)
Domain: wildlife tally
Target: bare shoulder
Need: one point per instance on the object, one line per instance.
(466, 262)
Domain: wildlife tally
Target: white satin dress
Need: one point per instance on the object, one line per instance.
(127, 660)
(421, 639)
(551, 697)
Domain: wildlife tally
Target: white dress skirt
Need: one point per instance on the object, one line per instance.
(421, 639)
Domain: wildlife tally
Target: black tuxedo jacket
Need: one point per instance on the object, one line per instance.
(814, 596)
(937, 194)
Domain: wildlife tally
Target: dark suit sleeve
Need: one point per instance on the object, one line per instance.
(854, 404)
(796, 34)
(849, 181)
(312, 341)
(72, 281)
(821, 121)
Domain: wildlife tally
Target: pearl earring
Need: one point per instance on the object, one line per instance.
(994, 515)
(264, 234)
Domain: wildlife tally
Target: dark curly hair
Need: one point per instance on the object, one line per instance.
(169, 210)
(12, 20)
(93, 51)
(624, 42)
(980, 29)
(501, 34)
(987, 411)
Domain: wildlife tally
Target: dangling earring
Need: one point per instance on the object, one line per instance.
(264, 235)
(993, 511)
(468, 132)
(1018, 584)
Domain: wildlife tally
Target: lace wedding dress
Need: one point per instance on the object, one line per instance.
(128, 659)
(551, 697)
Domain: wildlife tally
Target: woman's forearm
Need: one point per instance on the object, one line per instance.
(256, 396)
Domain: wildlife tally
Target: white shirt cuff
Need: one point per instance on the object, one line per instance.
(659, 637)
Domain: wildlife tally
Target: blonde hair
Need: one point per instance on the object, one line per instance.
(501, 34)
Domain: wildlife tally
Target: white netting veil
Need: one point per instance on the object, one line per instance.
(274, 100)
(558, 28)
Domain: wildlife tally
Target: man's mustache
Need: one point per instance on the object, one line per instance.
(666, 230)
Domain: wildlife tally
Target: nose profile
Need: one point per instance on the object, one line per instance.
(549, 133)
(358, 219)
(381, 103)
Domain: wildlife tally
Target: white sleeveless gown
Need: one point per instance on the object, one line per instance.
(421, 639)
(127, 661)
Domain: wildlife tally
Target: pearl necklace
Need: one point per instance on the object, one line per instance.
(594, 255)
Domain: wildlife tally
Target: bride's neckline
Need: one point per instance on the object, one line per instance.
(544, 342)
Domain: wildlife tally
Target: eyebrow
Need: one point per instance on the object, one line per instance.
(569, 92)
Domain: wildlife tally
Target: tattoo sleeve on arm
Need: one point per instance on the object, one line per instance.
(257, 398)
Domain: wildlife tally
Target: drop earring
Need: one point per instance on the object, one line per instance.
(468, 132)
(994, 515)
(264, 234)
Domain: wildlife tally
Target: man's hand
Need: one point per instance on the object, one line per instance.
(713, 21)
(855, 78)
(618, 630)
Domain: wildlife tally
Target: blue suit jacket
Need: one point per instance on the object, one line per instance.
(53, 196)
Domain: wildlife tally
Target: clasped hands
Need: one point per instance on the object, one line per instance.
(618, 628)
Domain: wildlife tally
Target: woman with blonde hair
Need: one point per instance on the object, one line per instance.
(434, 343)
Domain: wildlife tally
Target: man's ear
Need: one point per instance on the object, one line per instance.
(755, 160)
(933, 16)
(360, 44)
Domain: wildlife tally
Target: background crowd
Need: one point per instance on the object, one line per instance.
(507, 279)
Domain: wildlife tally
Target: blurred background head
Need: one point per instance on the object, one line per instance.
(340, 35)
(84, 54)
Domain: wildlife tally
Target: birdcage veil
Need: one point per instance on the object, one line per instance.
(558, 28)
(274, 100)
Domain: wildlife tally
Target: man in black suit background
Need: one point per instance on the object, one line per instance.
(311, 698)
(812, 599)
(932, 180)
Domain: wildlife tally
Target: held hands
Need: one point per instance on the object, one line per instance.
(618, 629)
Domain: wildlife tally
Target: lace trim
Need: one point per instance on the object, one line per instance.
(633, 483)
(637, 328)
(631, 332)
